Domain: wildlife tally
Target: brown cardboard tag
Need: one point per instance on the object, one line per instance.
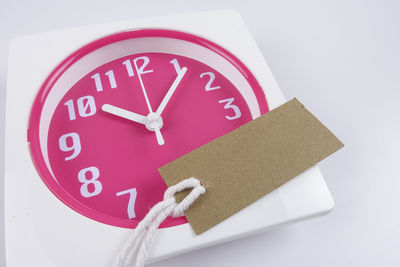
(251, 161)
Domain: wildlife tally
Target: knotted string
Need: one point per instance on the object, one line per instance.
(140, 240)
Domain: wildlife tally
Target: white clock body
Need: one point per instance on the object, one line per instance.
(42, 231)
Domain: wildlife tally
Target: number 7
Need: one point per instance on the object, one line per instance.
(132, 199)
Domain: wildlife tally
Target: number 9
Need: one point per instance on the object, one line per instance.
(75, 146)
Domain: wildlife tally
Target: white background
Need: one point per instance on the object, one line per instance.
(342, 60)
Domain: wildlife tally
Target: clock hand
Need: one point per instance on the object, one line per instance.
(151, 122)
(160, 139)
(124, 113)
(171, 90)
(143, 89)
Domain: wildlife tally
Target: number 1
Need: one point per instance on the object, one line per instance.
(97, 81)
(176, 65)
(129, 68)
(111, 78)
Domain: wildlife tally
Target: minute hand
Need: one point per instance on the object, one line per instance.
(171, 91)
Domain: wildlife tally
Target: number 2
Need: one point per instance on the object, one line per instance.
(131, 203)
(209, 86)
(235, 108)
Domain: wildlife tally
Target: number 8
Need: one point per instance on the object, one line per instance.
(93, 180)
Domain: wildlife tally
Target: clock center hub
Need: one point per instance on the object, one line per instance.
(153, 121)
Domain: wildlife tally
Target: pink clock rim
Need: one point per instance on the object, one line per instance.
(36, 110)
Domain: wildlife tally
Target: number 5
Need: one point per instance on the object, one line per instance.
(235, 108)
(131, 203)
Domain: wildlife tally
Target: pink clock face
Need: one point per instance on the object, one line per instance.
(116, 125)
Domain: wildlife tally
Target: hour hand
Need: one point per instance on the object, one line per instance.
(123, 113)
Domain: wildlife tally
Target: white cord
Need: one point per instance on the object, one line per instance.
(141, 238)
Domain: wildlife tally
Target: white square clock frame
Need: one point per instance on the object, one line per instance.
(40, 229)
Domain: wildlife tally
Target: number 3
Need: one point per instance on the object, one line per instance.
(235, 108)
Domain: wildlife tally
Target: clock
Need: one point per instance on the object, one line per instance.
(89, 171)
(114, 111)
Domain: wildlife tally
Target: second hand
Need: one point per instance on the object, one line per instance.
(160, 139)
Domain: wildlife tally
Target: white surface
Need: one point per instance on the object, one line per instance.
(342, 60)
(28, 201)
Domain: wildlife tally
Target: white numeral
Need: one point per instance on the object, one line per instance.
(209, 86)
(92, 180)
(131, 203)
(71, 109)
(129, 68)
(75, 146)
(86, 107)
(176, 65)
(146, 61)
(111, 79)
(97, 82)
(235, 108)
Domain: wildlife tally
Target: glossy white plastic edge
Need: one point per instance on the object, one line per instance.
(42, 231)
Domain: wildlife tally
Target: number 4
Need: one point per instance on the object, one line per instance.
(131, 203)
(235, 108)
